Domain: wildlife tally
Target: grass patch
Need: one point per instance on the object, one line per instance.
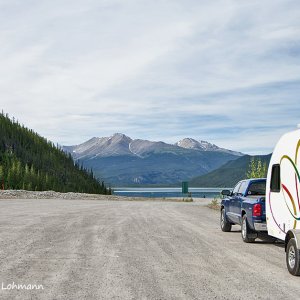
(189, 199)
(215, 204)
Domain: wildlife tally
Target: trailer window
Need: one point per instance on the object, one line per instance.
(275, 179)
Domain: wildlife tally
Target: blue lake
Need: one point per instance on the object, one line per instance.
(166, 192)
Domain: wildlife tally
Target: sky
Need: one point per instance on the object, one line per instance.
(224, 71)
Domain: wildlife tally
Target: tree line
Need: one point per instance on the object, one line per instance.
(31, 162)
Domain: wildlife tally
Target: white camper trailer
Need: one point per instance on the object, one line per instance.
(283, 197)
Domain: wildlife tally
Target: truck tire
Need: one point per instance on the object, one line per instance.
(248, 235)
(293, 258)
(225, 225)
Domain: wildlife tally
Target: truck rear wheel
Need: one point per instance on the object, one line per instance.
(225, 225)
(248, 235)
(293, 258)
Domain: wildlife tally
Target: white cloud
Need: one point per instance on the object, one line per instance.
(216, 70)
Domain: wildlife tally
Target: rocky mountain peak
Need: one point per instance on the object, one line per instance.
(190, 143)
(120, 136)
(120, 144)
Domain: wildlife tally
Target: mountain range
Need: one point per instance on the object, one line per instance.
(121, 160)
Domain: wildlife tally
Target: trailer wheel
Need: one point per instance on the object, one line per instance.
(225, 225)
(248, 235)
(293, 258)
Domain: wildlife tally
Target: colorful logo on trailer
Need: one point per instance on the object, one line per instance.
(287, 194)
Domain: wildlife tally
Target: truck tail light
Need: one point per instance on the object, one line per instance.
(257, 210)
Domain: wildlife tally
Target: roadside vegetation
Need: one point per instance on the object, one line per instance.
(30, 162)
(215, 204)
(188, 199)
(257, 169)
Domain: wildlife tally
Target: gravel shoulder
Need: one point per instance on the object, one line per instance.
(23, 194)
(87, 249)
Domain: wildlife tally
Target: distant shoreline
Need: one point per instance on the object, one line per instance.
(167, 192)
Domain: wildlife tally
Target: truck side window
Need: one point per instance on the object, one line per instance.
(275, 179)
(236, 189)
(243, 187)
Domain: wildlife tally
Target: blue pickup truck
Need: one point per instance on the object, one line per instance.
(245, 205)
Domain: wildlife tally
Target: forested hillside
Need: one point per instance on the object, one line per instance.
(30, 162)
(229, 174)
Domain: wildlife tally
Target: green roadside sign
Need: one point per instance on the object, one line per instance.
(185, 187)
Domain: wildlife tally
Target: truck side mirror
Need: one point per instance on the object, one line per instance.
(226, 192)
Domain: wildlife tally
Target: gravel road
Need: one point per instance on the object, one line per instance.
(100, 249)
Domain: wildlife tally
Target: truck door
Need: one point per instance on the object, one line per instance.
(237, 210)
(233, 203)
